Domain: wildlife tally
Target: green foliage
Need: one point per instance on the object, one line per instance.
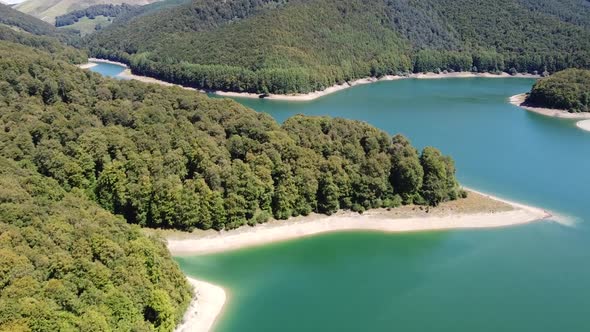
(274, 46)
(439, 182)
(268, 47)
(567, 90)
(67, 264)
(16, 20)
(170, 158)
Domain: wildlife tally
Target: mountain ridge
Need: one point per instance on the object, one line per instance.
(307, 45)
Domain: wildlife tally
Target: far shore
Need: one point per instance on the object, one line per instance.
(126, 74)
(478, 210)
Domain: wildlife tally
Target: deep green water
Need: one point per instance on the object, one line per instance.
(527, 278)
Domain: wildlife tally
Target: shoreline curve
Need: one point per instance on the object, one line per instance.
(519, 100)
(126, 74)
(205, 307)
(584, 125)
(372, 220)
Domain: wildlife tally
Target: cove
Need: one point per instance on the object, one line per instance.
(526, 278)
(107, 69)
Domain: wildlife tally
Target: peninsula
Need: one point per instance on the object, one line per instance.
(478, 210)
(565, 94)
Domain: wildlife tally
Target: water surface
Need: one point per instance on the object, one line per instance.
(527, 278)
(107, 69)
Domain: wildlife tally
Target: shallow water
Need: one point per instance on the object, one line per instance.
(527, 278)
(108, 69)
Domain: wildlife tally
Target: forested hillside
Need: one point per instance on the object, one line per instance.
(47, 10)
(91, 12)
(68, 265)
(166, 157)
(13, 18)
(19, 22)
(567, 90)
(82, 157)
(305, 45)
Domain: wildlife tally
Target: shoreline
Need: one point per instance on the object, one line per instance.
(126, 74)
(584, 125)
(205, 307)
(519, 100)
(367, 80)
(379, 220)
(209, 299)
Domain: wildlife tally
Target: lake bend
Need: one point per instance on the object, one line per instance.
(534, 277)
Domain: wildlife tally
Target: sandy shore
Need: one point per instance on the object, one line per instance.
(95, 60)
(519, 100)
(126, 74)
(205, 308)
(335, 88)
(584, 125)
(418, 219)
(87, 65)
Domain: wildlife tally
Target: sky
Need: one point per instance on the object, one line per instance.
(10, 2)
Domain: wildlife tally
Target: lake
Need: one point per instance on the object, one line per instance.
(527, 278)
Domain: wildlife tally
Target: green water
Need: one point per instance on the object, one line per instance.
(527, 278)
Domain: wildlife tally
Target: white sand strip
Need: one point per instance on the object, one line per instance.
(204, 309)
(95, 60)
(348, 221)
(126, 74)
(87, 65)
(584, 125)
(335, 88)
(518, 100)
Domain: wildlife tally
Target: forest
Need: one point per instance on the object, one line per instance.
(567, 90)
(66, 264)
(299, 46)
(108, 10)
(85, 161)
(171, 158)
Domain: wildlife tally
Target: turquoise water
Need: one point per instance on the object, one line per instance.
(108, 69)
(528, 278)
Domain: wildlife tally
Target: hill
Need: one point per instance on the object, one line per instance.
(305, 45)
(82, 157)
(47, 10)
(566, 90)
(23, 22)
(67, 263)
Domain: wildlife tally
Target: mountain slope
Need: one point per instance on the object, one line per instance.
(67, 264)
(47, 10)
(14, 18)
(305, 45)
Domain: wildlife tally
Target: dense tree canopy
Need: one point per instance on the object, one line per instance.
(108, 10)
(167, 157)
(305, 45)
(567, 90)
(68, 265)
(83, 157)
(16, 20)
